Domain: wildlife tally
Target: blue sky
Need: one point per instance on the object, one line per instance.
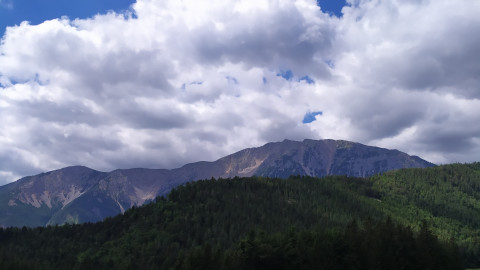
(195, 80)
(333, 7)
(13, 12)
(310, 117)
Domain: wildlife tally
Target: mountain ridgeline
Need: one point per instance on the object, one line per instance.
(79, 194)
(405, 219)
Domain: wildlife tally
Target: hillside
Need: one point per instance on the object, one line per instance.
(211, 222)
(79, 194)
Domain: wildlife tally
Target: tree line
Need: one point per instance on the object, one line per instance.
(302, 222)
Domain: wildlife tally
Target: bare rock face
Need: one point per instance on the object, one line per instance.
(79, 194)
(330, 157)
(33, 200)
(312, 158)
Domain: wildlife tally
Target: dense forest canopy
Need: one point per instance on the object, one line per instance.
(405, 219)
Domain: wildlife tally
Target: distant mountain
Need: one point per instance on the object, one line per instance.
(395, 220)
(79, 194)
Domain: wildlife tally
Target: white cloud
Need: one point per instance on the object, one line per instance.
(412, 67)
(182, 81)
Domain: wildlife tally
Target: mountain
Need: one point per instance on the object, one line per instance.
(404, 219)
(79, 194)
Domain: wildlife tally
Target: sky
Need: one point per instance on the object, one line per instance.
(14, 12)
(158, 84)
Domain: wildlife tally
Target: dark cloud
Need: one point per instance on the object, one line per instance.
(385, 115)
(67, 112)
(255, 42)
(154, 118)
(10, 161)
(281, 129)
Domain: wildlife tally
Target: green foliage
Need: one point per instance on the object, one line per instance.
(259, 223)
(448, 197)
(376, 245)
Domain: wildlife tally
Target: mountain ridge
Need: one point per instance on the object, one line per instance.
(78, 194)
(271, 221)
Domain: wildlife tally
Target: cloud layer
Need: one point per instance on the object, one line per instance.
(171, 82)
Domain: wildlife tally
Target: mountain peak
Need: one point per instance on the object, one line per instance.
(320, 158)
(80, 194)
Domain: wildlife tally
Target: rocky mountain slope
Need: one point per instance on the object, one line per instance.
(79, 194)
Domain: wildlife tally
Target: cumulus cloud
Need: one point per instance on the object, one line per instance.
(171, 82)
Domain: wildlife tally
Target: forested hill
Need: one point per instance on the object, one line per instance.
(336, 222)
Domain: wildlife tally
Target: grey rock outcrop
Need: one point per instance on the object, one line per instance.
(79, 194)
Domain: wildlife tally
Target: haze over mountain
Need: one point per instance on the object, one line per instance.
(80, 194)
